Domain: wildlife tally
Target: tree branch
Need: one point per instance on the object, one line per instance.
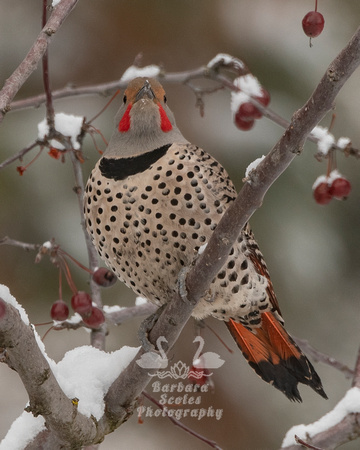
(316, 355)
(46, 397)
(341, 433)
(32, 59)
(97, 336)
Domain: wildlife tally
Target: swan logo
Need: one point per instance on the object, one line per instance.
(181, 399)
(201, 365)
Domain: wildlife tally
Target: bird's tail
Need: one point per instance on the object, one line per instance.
(275, 357)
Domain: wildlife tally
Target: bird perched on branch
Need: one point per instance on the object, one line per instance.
(152, 201)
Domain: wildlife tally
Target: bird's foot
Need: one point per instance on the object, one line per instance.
(146, 326)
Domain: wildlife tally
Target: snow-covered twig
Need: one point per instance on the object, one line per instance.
(25, 354)
(113, 315)
(185, 77)
(337, 427)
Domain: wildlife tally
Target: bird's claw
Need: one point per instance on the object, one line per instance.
(146, 326)
(182, 283)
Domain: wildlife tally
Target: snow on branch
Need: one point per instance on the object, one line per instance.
(74, 387)
(26, 355)
(349, 404)
(66, 124)
(338, 426)
(325, 140)
(132, 72)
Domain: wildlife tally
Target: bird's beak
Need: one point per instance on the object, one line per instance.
(145, 91)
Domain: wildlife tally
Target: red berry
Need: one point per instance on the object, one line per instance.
(81, 303)
(340, 188)
(313, 23)
(243, 124)
(322, 194)
(248, 111)
(59, 310)
(95, 319)
(2, 308)
(104, 277)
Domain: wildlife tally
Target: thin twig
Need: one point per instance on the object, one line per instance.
(176, 422)
(115, 317)
(50, 114)
(24, 245)
(19, 155)
(322, 357)
(97, 336)
(300, 441)
(356, 379)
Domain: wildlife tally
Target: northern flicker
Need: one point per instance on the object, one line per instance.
(152, 201)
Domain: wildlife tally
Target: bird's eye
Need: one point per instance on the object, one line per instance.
(125, 98)
(165, 99)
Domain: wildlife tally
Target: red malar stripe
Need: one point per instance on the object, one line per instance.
(165, 122)
(124, 124)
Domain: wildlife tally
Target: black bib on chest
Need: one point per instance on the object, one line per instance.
(119, 169)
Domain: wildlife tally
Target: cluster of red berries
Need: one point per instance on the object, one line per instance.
(247, 113)
(313, 23)
(81, 302)
(326, 188)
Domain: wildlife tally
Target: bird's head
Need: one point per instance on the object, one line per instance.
(144, 122)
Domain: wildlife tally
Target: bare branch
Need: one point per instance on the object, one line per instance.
(24, 245)
(19, 155)
(29, 64)
(97, 336)
(356, 379)
(126, 314)
(45, 69)
(316, 355)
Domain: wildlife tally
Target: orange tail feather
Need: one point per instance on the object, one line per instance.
(275, 357)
